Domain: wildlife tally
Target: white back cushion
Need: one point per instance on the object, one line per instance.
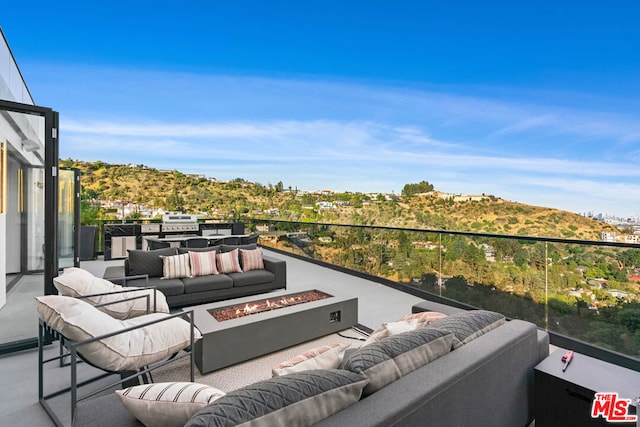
(75, 282)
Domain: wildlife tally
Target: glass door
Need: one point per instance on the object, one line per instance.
(28, 174)
(68, 218)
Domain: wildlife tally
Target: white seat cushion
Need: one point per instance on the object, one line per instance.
(75, 282)
(77, 321)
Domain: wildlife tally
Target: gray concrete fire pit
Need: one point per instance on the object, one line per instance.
(236, 340)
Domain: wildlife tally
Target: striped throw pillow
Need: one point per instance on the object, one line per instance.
(176, 266)
(228, 262)
(203, 263)
(252, 259)
(166, 404)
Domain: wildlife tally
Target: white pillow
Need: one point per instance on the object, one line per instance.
(228, 262)
(167, 404)
(75, 282)
(324, 357)
(401, 326)
(176, 266)
(77, 320)
(391, 328)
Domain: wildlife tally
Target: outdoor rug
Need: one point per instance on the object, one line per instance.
(251, 371)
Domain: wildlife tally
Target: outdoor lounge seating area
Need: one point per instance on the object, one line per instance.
(401, 379)
(472, 350)
(189, 276)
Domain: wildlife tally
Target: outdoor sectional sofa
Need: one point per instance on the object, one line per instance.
(145, 268)
(483, 379)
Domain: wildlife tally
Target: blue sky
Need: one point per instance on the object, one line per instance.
(537, 103)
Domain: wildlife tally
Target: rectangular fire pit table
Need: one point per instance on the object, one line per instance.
(228, 342)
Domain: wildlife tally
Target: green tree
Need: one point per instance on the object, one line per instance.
(412, 189)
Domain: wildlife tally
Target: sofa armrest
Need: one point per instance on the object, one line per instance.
(117, 275)
(278, 267)
(124, 279)
(113, 272)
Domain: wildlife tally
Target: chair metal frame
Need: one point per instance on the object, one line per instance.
(149, 308)
(74, 352)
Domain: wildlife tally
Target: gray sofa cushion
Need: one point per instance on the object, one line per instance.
(395, 356)
(229, 248)
(468, 325)
(147, 262)
(206, 283)
(187, 250)
(297, 399)
(252, 277)
(169, 287)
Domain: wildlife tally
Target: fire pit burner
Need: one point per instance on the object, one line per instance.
(269, 304)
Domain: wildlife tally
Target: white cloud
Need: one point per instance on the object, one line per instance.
(351, 135)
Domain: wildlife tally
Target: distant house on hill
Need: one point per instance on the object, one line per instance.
(325, 205)
(463, 197)
(608, 236)
(265, 228)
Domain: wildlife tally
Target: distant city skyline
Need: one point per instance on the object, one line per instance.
(535, 103)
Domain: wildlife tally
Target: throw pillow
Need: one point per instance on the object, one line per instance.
(424, 317)
(299, 399)
(176, 266)
(77, 321)
(167, 404)
(203, 263)
(324, 357)
(76, 282)
(251, 259)
(468, 325)
(228, 262)
(393, 357)
(147, 262)
(391, 328)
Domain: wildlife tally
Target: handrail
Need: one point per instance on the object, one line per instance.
(457, 232)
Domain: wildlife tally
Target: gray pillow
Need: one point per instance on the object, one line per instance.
(148, 262)
(187, 250)
(298, 399)
(228, 248)
(468, 325)
(395, 356)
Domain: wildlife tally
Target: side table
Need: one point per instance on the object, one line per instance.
(566, 398)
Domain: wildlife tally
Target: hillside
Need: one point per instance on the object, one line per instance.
(173, 190)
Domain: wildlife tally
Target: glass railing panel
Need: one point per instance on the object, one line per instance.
(586, 291)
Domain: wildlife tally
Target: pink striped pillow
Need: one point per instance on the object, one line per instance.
(252, 259)
(203, 263)
(228, 262)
